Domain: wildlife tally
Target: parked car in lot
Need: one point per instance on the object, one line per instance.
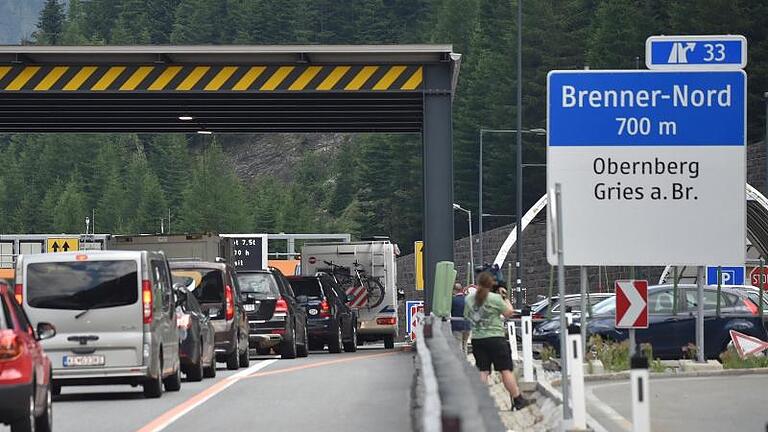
(329, 320)
(276, 319)
(25, 370)
(197, 348)
(549, 308)
(114, 314)
(216, 288)
(668, 332)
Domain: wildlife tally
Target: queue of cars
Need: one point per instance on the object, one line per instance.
(133, 317)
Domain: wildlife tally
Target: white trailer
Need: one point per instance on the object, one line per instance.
(376, 259)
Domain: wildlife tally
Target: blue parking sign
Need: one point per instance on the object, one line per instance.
(732, 275)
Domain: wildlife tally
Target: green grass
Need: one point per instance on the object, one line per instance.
(731, 360)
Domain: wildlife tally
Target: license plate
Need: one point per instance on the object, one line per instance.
(249, 307)
(83, 360)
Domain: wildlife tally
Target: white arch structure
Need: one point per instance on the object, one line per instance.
(751, 194)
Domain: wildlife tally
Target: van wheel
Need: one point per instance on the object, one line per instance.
(389, 342)
(233, 362)
(334, 344)
(210, 370)
(44, 422)
(27, 422)
(195, 371)
(173, 382)
(288, 347)
(245, 358)
(153, 388)
(351, 346)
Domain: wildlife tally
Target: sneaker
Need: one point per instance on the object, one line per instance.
(520, 402)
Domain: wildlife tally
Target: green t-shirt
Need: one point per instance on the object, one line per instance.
(485, 320)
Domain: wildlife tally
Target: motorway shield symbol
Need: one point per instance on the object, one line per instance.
(632, 304)
(747, 345)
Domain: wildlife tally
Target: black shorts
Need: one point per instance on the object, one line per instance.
(493, 350)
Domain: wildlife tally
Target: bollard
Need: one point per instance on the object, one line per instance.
(575, 356)
(527, 348)
(641, 404)
(512, 333)
(569, 318)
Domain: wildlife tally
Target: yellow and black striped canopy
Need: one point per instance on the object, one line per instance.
(209, 78)
(239, 88)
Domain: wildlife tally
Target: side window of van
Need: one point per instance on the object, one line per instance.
(160, 282)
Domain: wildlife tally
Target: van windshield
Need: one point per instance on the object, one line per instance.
(206, 284)
(307, 287)
(82, 285)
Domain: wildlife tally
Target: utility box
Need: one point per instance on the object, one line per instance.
(177, 247)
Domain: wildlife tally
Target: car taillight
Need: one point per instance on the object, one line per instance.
(230, 299)
(18, 292)
(10, 348)
(386, 321)
(146, 301)
(537, 316)
(183, 321)
(281, 306)
(753, 309)
(325, 309)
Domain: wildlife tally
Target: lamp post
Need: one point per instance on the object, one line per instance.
(520, 166)
(471, 247)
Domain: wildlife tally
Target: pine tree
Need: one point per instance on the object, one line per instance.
(71, 210)
(133, 23)
(152, 206)
(50, 27)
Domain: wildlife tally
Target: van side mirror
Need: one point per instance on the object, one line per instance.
(45, 331)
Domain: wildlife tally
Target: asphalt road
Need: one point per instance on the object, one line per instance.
(368, 390)
(727, 403)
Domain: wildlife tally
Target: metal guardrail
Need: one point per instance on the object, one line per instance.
(454, 397)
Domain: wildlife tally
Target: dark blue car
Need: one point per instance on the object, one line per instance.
(669, 330)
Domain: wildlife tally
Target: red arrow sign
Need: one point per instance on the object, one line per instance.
(747, 345)
(631, 304)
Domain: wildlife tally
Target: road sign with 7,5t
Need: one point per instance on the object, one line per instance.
(647, 161)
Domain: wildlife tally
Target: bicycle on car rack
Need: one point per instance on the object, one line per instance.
(356, 276)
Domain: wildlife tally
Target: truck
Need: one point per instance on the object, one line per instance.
(363, 269)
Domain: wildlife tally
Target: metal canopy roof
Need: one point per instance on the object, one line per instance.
(312, 88)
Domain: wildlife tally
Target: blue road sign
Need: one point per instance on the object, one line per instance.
(696, 52)
(728, 275)
(646, 108)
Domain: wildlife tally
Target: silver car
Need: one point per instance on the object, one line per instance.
(115, 316)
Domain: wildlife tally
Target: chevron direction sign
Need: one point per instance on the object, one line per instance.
(631, 304)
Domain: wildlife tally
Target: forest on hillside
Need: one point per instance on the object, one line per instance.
(372, 184)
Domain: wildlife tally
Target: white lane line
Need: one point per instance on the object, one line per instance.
(162, 422)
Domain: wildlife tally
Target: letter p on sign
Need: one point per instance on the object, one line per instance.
(632, 304)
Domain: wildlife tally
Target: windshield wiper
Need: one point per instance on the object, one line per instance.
(80, 314)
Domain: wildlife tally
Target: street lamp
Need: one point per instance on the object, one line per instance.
(519, 210)
(471, 248)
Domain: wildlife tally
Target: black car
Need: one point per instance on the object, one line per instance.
(669, 331)
(330, 321)
(277, 321)
(215, 287)
(197, 349)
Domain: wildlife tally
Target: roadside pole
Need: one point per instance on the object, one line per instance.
(512, 333)
(700, 282)
(575, 358)
(584, 306)
(632, 335)
(527, 327)
(567, 415)
(641, 406)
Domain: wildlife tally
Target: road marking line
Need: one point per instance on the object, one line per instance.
(195, 401)
(607, 410)
(319, 364)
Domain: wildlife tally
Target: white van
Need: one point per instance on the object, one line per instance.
(114, 312)
(377, 320)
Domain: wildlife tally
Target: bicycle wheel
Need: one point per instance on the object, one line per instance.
(375, 292)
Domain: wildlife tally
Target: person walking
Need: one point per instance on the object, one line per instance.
(484, 310)
(459, 325)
